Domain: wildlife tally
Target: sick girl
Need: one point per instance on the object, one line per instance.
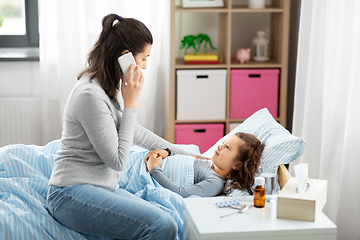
(235, 161)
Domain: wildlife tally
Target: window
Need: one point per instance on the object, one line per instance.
(20, 25)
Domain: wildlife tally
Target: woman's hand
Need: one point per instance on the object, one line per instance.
(200, 157)
(161, 152)
(131, 86)
(153, 161)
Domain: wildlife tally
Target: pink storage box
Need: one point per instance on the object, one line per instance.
(253, 89)
(202, 135)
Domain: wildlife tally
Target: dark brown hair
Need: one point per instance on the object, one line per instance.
(117, 35)
(249, 157)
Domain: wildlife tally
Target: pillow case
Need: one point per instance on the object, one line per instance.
(281, 147)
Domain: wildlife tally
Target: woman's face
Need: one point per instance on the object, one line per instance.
(140, 58)
(225, 156)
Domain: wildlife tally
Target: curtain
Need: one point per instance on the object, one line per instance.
(68, 30)
(327, 105)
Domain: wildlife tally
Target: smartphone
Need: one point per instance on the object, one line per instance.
(125, 61)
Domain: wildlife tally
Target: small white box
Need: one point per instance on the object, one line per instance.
(304, 207)
(201, 94)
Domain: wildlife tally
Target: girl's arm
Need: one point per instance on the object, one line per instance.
(211, 186)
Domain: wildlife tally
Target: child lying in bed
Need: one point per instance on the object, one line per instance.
(237, 160)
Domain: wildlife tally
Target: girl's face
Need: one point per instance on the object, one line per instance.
(140, 58)
(225, 156)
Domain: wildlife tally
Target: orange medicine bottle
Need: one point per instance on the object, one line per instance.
(259, 192)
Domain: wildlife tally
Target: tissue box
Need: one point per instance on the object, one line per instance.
(305, 206)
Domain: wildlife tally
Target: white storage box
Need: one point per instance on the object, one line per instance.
(201, 94)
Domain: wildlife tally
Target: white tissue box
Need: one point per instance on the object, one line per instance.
(305, 206)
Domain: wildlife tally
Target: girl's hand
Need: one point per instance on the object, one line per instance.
(153, 161)
(200, 157)
(131, 86)
(163, 153)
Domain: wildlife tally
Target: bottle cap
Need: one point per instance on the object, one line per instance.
(260, 181)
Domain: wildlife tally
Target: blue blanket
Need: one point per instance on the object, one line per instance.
(24, 174)
(137, 180)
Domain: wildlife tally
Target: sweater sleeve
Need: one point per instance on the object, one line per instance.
(149, 140)
(95, 116)
(211, 186)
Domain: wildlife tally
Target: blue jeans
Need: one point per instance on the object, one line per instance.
(119, 214)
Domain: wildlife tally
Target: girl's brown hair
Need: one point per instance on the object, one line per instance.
(117, 35)
(249, 157)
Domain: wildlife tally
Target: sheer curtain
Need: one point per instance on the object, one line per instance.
(327, 104)
(68, 30)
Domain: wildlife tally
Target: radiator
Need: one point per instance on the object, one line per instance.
(20, 121)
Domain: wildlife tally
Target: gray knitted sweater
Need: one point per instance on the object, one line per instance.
(207, 183)
(97, 137)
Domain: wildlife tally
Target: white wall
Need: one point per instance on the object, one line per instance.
(20, 79)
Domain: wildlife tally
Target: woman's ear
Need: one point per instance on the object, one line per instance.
(125, 51)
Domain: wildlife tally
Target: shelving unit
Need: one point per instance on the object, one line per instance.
(278, 15)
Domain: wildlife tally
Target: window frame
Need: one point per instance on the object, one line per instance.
(31, 39)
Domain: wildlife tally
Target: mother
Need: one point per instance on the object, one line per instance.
(99, 129)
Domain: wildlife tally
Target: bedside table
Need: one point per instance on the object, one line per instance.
(202, 221)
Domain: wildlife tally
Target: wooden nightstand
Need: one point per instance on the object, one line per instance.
(202, 221)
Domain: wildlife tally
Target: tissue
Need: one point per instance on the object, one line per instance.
(301, 174)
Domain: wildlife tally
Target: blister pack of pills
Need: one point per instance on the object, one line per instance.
(227, 203)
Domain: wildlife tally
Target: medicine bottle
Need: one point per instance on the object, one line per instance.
(259, 192)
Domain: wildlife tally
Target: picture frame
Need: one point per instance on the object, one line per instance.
(202, 3)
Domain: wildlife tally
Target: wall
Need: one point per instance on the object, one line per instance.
(20, 103)
(20, 79)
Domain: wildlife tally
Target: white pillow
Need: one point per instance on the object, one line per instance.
(281, 147)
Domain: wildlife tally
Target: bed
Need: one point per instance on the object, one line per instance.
(25, 171)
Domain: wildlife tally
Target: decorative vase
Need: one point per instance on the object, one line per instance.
(260, 47)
